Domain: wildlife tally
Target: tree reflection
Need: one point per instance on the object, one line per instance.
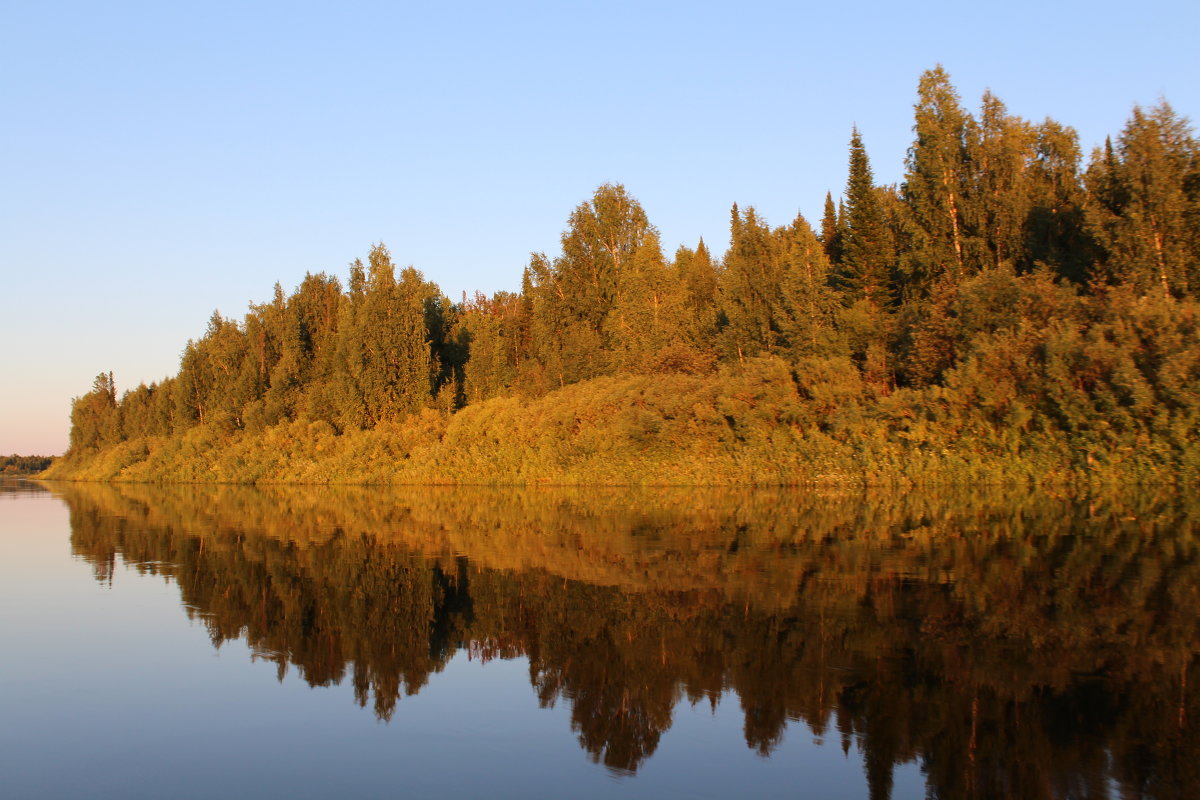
(1032, 647)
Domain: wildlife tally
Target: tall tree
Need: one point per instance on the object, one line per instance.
(808, 301)
(216, 379)
(831, 231)
(386, 365)
(94, 417)
(578, 290)
(1145, 204)
(867, 252)
(597, 250)
(1001, 152)
(1055, 229)
(698, 273)
(750, 288)
(937, 183)
(647, 320)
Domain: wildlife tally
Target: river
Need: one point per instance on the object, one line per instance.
(203, 641)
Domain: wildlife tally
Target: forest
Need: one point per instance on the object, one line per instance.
(1011, 311)
(24, 465)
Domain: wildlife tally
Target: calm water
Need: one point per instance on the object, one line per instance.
(315, 642)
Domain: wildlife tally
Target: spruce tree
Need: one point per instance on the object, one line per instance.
(385, 365)
(698, 274)
(831, 231)
(867, 254)
(750, 287)
(808, 301)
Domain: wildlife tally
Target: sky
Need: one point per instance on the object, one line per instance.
(159, 161)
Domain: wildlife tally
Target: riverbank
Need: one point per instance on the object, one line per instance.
(764, 422)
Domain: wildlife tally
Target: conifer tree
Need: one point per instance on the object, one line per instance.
(809, 303)
(867, 249)
(386, 368)
(300, 335)
(523, 346)
(447, 354)
(749, 288)
(841, 229)
(95, 421)
(1145, 203)
(491, 330)
(415, 367)
(698, 274)
(831, 231)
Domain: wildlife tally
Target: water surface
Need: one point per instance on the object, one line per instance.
(299, 642)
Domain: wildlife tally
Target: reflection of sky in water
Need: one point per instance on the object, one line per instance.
(922, 620)
(113, 692)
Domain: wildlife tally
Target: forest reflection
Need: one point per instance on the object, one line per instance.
(1013, 645)
(13, 487)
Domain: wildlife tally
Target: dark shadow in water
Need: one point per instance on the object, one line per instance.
(1014, 645)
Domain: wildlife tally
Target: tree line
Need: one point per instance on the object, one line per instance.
(24, 465)
(1005, 273)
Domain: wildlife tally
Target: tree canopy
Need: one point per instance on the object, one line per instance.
(1002, 260)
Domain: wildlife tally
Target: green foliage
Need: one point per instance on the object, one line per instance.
(492, 332)
(24, 465)
(386, 365)
(937, 184)
(808, 301)
(749, 288)
(1003, 315)
(699, 276)
(95, 420)
(831, 231)
(604, 259)
(1144, 204)
(867, 252)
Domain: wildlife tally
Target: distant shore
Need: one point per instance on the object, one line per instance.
(24, 466)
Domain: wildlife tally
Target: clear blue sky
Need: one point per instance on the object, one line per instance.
(161, 160)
